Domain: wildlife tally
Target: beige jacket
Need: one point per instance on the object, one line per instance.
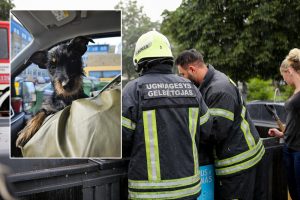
(88, 128)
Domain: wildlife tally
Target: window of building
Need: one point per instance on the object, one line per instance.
(110, 74)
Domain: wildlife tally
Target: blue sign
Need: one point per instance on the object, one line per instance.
(207, 182)
(98, 48)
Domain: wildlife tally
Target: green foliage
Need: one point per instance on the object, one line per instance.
(259, 89)
(134, 23)
(285, 92)
(243, 38)
(5, 6)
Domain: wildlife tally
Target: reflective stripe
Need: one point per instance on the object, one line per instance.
(193, 118)
(241, 166)
(240, 157)
(174, 194)
(151, 144)
(243, 113)
(232, 82)
(164, 183)
(204, 118)
(128, 123)
(221, 113)
(246, 130)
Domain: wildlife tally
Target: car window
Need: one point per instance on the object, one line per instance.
(102, 61)
(3, 44)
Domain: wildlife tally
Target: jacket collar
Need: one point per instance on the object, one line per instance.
(159, 69)
(208, 77)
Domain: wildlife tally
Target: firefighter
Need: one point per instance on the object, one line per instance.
(238, 148)
(163, 116)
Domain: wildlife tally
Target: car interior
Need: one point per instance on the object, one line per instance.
(49, 28)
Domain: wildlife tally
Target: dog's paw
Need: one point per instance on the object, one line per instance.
(30, 129)
(24, 136)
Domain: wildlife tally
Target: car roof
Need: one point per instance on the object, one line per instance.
(51, 27)
(262, 102)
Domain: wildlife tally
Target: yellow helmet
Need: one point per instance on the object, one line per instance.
(152, 45)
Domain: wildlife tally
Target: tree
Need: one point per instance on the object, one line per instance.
(134, 23)
(260, 89)
(5, 6)
(244, 38)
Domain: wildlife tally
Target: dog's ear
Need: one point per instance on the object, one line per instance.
(39, 58)
(79, 44)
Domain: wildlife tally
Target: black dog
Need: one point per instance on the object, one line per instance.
(64, 65)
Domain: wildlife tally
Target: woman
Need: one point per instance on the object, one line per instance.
(290, 71)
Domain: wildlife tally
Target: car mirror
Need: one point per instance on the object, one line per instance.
(28, 95)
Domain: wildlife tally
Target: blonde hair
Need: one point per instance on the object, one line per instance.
(293, 59)
(285, 64)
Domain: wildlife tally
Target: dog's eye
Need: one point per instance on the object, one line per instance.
(53, 61)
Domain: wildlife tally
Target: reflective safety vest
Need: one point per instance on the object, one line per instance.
(163, 118)
(238, 145)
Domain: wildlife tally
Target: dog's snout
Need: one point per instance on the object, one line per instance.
(64, 83)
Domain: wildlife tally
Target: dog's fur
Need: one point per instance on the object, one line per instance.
(64, 65)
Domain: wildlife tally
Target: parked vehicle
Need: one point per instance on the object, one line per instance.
(4, 54)
(4, 73)
(274, 179)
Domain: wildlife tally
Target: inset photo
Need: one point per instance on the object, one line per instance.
(66, 84)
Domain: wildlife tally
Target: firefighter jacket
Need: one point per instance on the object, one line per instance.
(237, 142)
(163, 116)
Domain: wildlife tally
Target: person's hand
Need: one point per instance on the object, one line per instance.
(275, 133)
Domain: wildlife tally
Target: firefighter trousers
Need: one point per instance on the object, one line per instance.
(242, 186)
